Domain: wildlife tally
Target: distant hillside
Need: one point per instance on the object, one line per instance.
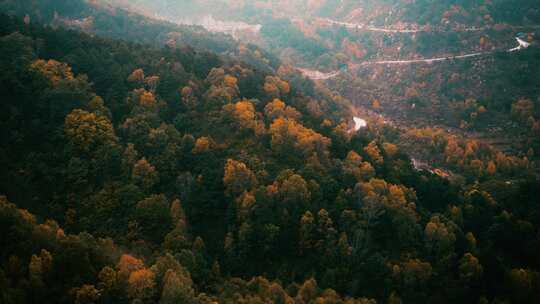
(107, 21)
(388, 12)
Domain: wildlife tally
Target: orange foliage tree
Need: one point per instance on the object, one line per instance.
(277, 108)
(238, 178)
(87, 131)
(136, 76)
(141, 284)
(53, 70)
(289, 135)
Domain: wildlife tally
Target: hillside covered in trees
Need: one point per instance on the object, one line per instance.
(151, 162)
(383, 52)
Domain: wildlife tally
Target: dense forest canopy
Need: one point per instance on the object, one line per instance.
(149, 161)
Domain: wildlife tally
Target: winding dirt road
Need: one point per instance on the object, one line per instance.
(317, 75)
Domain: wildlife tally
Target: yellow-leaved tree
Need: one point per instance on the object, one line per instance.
(289, 135)
(238, 178)
(87, 131)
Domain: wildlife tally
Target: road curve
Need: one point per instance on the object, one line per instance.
(318, 75)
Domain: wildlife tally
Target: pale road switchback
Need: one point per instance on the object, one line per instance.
(317, 75)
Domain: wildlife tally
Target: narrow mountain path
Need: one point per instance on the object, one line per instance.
(521, 45)
(317, 75)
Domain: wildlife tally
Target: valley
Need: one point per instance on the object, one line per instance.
(398, 107)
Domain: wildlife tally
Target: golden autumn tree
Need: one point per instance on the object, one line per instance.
(178, 238)
(188, 96)
(141, 284)
(230, 81)
(39, 267)
(136, 76)
(276, 87)
(354, 165)
(389, 195)
(87, 131)
(216, 76)
(326, 245)
(144, 174)
(278, 294)
(390, 149)
(293, 189)
(178, 214)
(147, 99)
(152, 82)
(277, 108)
(223, 87)
(379, 198)
(523, 282)
(307, 233)
(238, 178)
(108, 279)
(244, 203)
(470, 268)
(476, 167)
(326, 123)
(271, 89)
(87, 294)
(366, 171)
(344, 248)
(220, 95)
(244, 114)
(394, 299)
(97, 105)
(287, 135)
(353, 159)
(176, 288)
(314, 109)
(439, 236)
(53, 70)
(471, 242)
(308, 291)
(142, 98)
(341, 133)
(202, 144)
(126, 265)
(374, 153)
(491, 168)
(412, 273)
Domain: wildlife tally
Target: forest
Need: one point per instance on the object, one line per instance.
(147, 161)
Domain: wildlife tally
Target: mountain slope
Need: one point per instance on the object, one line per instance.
(146, 173)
